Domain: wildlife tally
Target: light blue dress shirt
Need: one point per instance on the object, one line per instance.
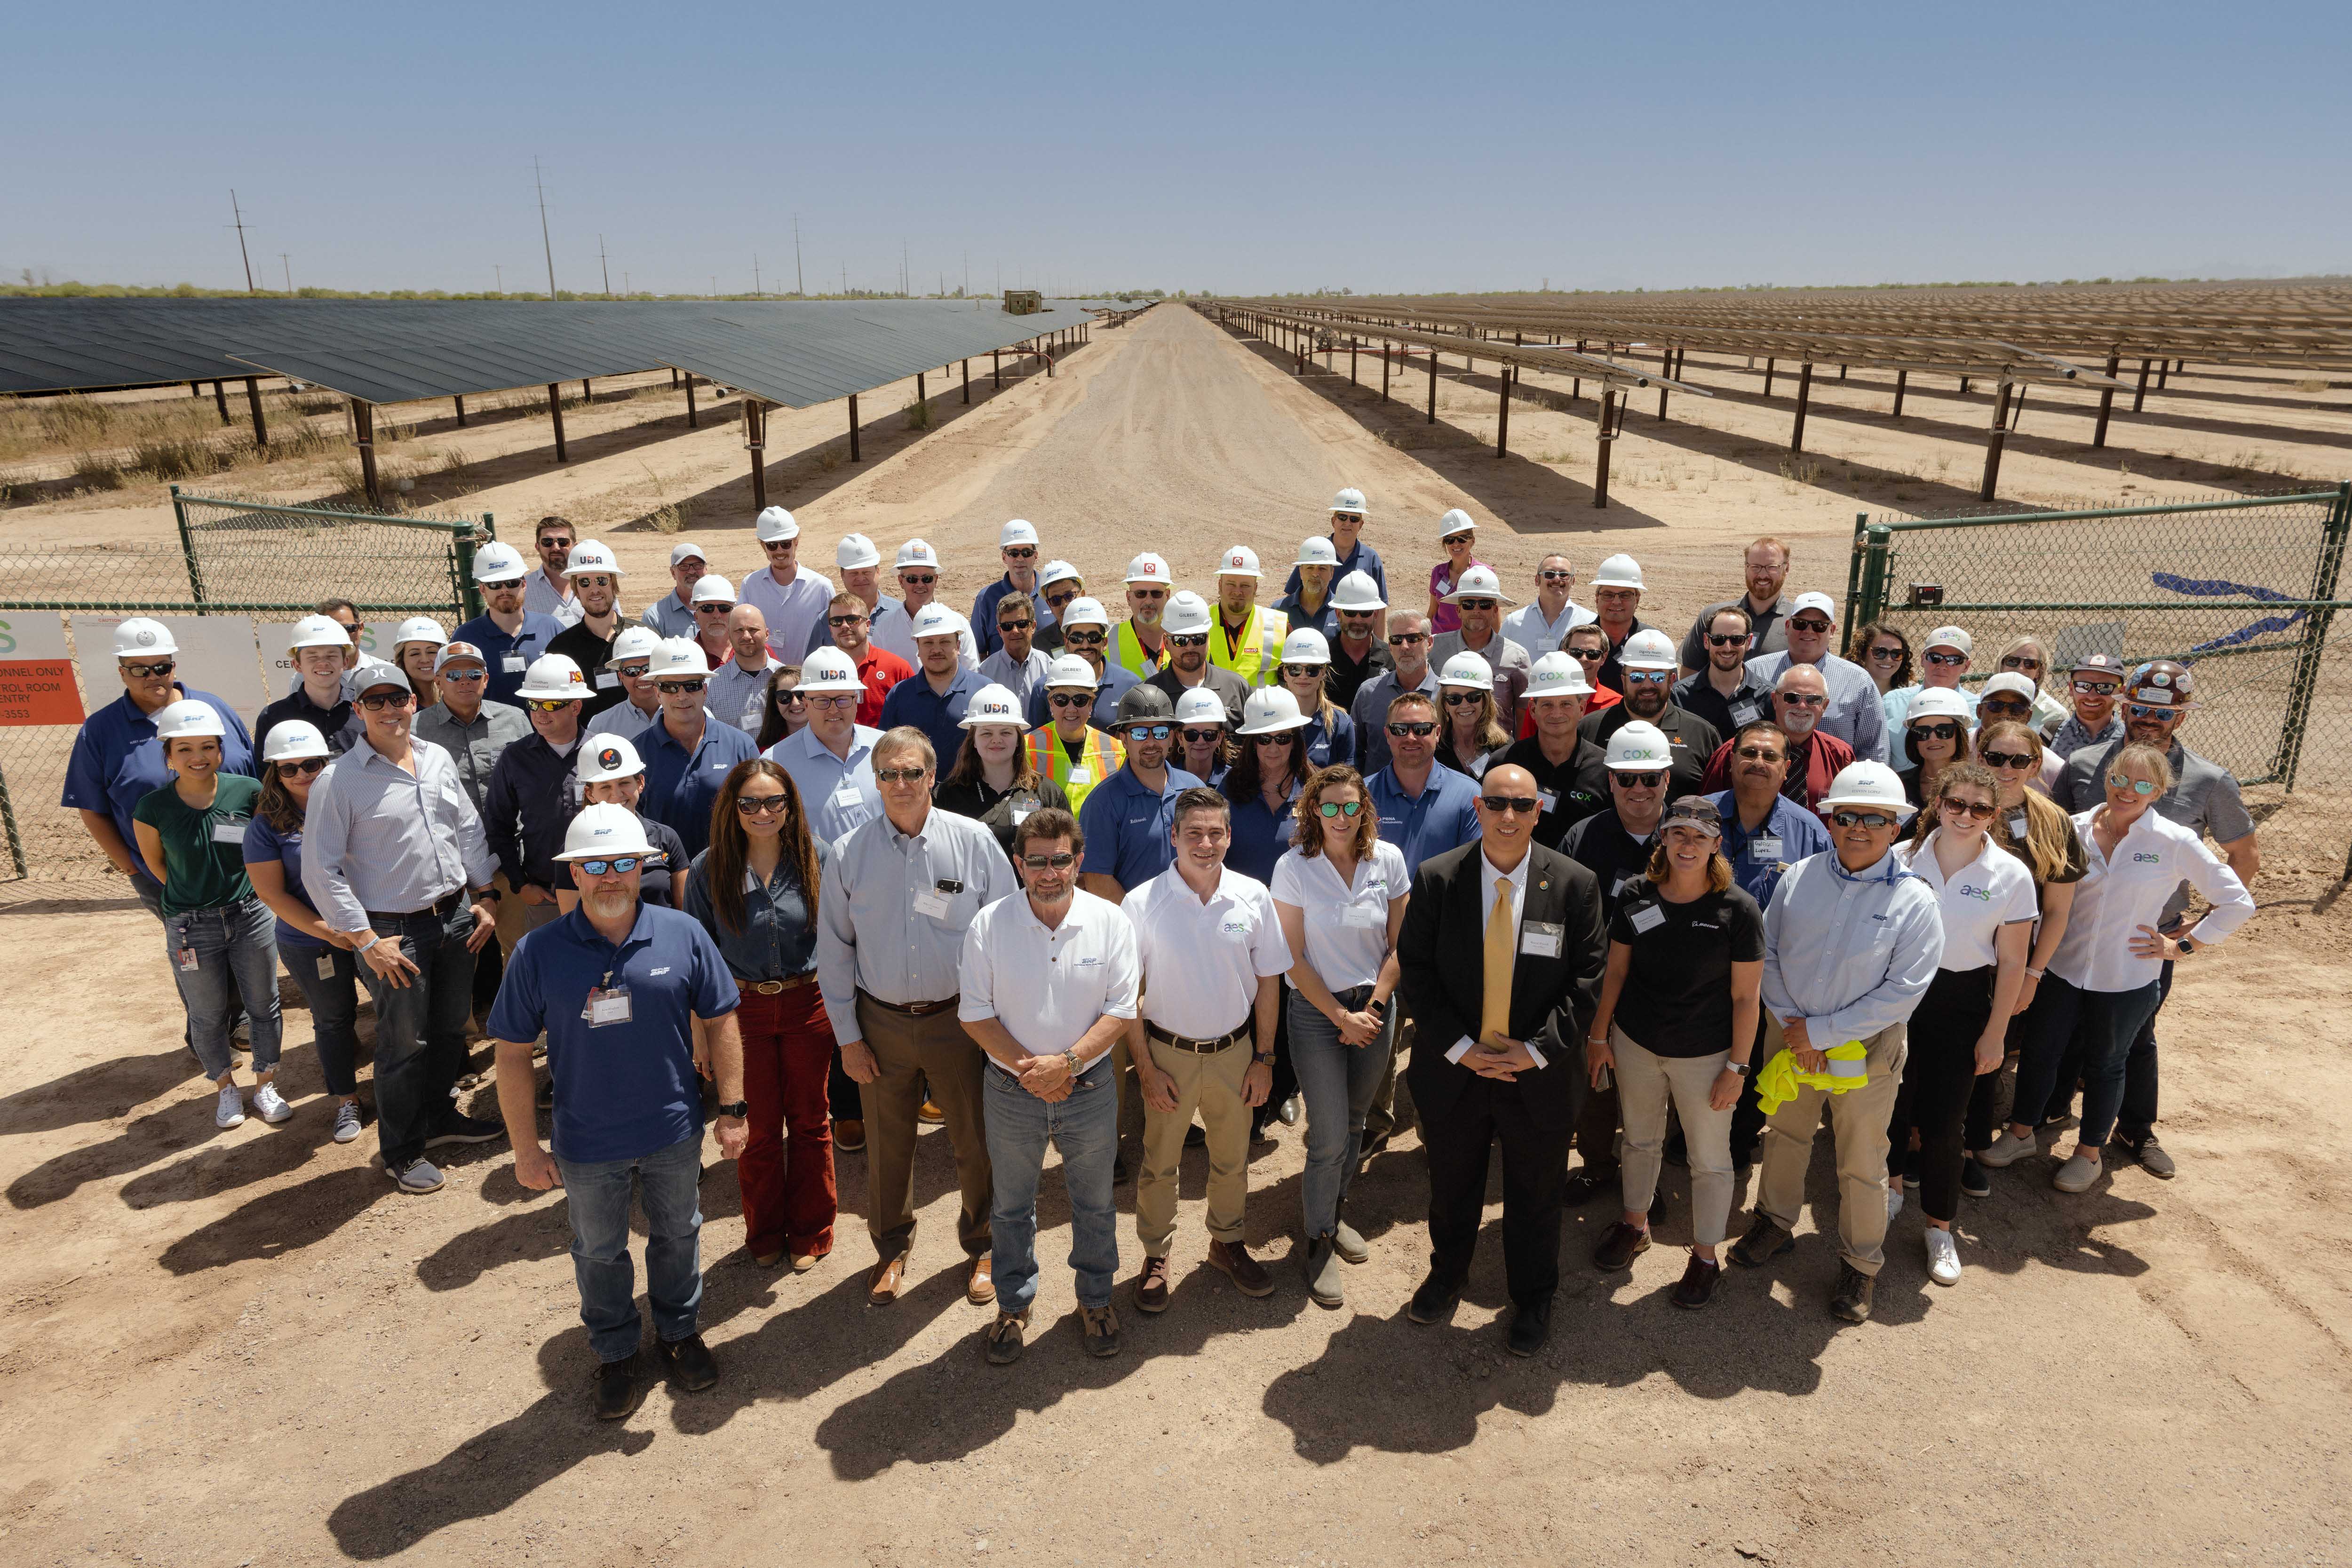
(1851, 954)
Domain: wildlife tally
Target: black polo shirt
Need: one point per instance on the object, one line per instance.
(1693, 695)
(1348, 677)
(1579, 787)
(341, 724)
(591, 653)
(1601, 845)
(1694, 740)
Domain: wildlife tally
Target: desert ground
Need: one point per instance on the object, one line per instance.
(241, 1347)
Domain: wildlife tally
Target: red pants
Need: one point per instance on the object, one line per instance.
(788, 1189)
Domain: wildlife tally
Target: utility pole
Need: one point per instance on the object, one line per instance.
(289, 273)
(502, 278)
(799, 281)
(967, 274)
(548, 244)
(603, 262)
(845, 279)
(755, 275)
(240, 241)
(714, 285)
(906, 282)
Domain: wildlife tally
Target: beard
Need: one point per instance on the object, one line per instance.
(611, 903)
(1646, 700)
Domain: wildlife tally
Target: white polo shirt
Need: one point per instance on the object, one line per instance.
(2119, 894)
(1993, 890)
(1202, 958)
(1345, 925)
(1054, 985)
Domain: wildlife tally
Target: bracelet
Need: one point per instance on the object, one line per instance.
(372, 940)
(1071, 1057)
(2033, 973)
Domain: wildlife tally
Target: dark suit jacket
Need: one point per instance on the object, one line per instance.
(1441, 951)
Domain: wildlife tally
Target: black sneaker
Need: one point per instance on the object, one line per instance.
(1765, 1241)
(1620, 1244)
(1852, 1301)
(689, 1364)
(1973, 1179)
(616, 1390)
(458, 1129)
(1434, 1303)
(1585, 1184)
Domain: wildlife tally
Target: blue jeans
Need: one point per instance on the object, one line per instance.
(598, 1197)
(2103, 1025)
(420, 1028)
(236, 947)
(1338, 1082)
(334, 1000)
(1085, 1129)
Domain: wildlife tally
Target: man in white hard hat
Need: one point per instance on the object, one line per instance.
(1570, 771)
(860, 564)
(714, 601)
(1188, 622)
(415, 643)
(933, 698)
(640, 704)
(1649, 662)
(509, 636)
(596, 578)
(792, 597)
(1722, 692)
(1018, 665)
(1857, 711)
(1765, 604)
(628, 1107)
(1348, 550)
(1068, 748)
(672, 615)
(1085, 634)
(1017, 547)
(317, 646)
(1058, 583)
(739, 687)
(535, 793)
(1478, 599)
(831, 758)
(1815, 757)
(1540, 624)
(1307, 607)
(549, 590)
(1139, 643)
(1616, 596)
(1245, 639)
(1408, 639)
(1850, 942)
(919, 586)
(1358, 653)
(688, 752)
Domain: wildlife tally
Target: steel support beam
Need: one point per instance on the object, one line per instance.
(2107, 405)
(1998, 435)
(693, 420)
(555, 413)
(1804, 397)
(855, 455)
(220, 399)
(1768, 367)
(2139, 397)
(1602, 440)
(967, 381)
(253, 405)
(1902, 380)
(1432, 386)
(755, 442)
(364, 436)
(460, 401)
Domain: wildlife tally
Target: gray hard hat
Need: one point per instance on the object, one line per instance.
(1144, 705)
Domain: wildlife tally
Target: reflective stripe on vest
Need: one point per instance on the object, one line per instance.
(1259, 653)
(1101, 756)
(1128, 649)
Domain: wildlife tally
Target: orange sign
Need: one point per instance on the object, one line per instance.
(38, 691)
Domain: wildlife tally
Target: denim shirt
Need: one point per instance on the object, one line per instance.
(778, 941)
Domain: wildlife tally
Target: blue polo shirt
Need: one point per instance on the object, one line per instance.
(1126, 826)
(983, 611)
(1801, 833)
(622, 1090)
(1443, 817)
(117, 761)
(1362, 558)
(1335, 743)
(501, 650)
(1116, 681)
(680, 789)
(912, 702)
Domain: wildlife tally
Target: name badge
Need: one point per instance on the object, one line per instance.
(848, 796)
(1541, 939)
(326, 966)
(1629, 880)
(2017, 826)
(231, 831)
(606, 681)
(933, 903)
(512, 663)
(1082, 774)
(1550, 798)
(1363, 917)
(606, 1007)
(1649, 917)
(1764, 846)
(187, 957)
(1744, 713)
(1021, 814)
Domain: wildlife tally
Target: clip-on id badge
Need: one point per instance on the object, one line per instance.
(187, 960)
(604, 1006)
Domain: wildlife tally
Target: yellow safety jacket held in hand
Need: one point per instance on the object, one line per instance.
(1255, 653)
(1778, 1082)
(1100, 757)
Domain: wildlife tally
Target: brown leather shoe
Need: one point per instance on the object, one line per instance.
(888, 1277)
(1151, 1285)
(980, 1289)
(848, 1137)
(767, 1259)
(1248, 1275)
(930, 1115)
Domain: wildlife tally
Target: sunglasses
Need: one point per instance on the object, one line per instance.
(378, 701)
(1422, 728)
(1019, 552)
(918, 579)
(2139, 710)
(306, 767)
(1946, 729)
(1885, 655)
(1862, 820)
(678, 687)
(1809, 626)
(1465, 698)
(1061, 699)
(759, 806)
(1403, 639)
(1464, 537)
(1061, 862)
(1153, 594)
(1554, 575)
(2137, 787)
(1759, 755)
(1022, 625)
(1276, 738)
(2007, 759)
(1341, 808)
(631, 671)
(1055, 601)
(1975, 811)
(1358, 614)
(1149, 731)
(468, 677)
(1947, 659)
(1085, 639)
(1525, 804)
(1200, 737)
(1650, 779)
(1475, 603)
(780, 546)
(1729, 640)
(850, 620)
(791, 697)
(1303, 671)
(2018, 661)
(713, 607)
(900, 776)
(1649, 677)
(1802, 699)
(2005, 704)
(1588, 655)
(500, 587)
(598, 867)
(1197, 640)
(2096, 688)
(549, 704)
(149, 671)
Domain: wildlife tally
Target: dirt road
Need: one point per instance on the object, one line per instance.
(241, 1347)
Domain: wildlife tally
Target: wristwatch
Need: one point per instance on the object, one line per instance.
(1262, 1060)
(1744, 1069)
(2187, 946)
(740, 1110)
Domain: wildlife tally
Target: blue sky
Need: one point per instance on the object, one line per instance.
(1239, 149)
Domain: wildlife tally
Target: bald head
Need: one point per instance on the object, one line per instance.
(746, 634)
(1798, 699)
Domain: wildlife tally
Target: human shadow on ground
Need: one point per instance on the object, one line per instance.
(100, 1091)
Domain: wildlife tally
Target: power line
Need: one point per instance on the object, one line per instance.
(543, 240)
(240, 241)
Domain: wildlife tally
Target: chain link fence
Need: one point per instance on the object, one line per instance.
(244, 566)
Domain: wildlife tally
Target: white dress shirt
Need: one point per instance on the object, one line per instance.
(1489, 879)
(1202, 958)
(1993, 890)
(1345, 925)
(2120, 893)
(893, 630)
(1055, 984)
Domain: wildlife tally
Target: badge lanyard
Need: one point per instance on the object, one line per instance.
(606, 1003)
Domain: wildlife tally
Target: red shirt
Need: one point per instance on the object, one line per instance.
(1603, 697)
(1813, 762)
(880, 669)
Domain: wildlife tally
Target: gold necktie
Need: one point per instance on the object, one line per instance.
(1495, 1007)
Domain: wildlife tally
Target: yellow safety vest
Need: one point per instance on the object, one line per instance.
(1128, 649)
(1257, 656)
(1780, 1081)
(1100, 757)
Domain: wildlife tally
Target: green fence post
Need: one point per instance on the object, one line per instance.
(1853, 581)
(469, 596)
(188, 550)
(1868, 600)
(2305, 679)
(8, 817)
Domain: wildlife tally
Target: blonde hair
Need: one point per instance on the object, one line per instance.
(2049, 832)
(1719, 869)
(2149, 757)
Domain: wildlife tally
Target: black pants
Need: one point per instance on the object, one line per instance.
(420, 1027)
(1747, 1116)
(489, 968)
(1938, 1076)
(2138, 1116)
(842, 1091)
(1285, 1078)
(1535, 1167)
(1595, 1133)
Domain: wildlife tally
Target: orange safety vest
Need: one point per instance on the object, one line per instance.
(1256, 654)
(1128, 649)
(1102, 756)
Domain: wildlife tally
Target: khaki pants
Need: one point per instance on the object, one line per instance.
(909, 1052)
(1213, 1086)
(1858, 1120)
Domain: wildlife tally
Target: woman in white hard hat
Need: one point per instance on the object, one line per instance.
(785, 711)
(611, 773)
(1944, 657)
(414, 646)
(1304, 673)
(1935, 736)
(218, 936)
(993, 780)
(1265, 780)
(1459, 535)
(317, 955)
(1202, 747)
(1310, 604)
(1471, 734)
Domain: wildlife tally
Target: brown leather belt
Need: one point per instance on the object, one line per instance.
(1160, 1036)
(775, 987)
(908, 1009)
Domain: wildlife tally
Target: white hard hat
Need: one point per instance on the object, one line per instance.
(458, 652)
(915, 552)
(710, 588)
(1187, 614)
(318, 631)
(602, 832)
(1866, 784)
(775, 523)
(553, 678)
(1058, 571)
(1348, 500)
(1019, 531)
(588, 555)
(186, 717)
(1456, 521)
(1269, 709)
(829, 670)
(684, 548)
(1148, 567)
(139, 638)
(1935, 702)
(1479, 583)
(290, 740)
(1557, 674)
(1357, 591)
(992, 704)
(1638, 747)
(1316, 551)
(1198, 704)
(634, 642)
(1305, 645)
(1085, 611)
(1069, 670)
(2013, 682)
(1241, 560)
(1466, 669)
(498, 561)
(605, 759)
(682, 656)
(1814, 600)
(1649, 649)
(937, 620)
(1618, 571)
(1949, 636)
(856, 552)
(420, 628)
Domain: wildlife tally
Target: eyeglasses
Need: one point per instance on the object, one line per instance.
(1420, 728)
(1948, 729)
(377, 701)
(838, 699)
(918, 579)
(1808, 626)
(1149, 731)
(1802, 698)
(1728, 639)
(631, 671)
(1475, 603)
(1198, 640)
(1975, 811)
(1341, 808)
(1759, 755)
(1064, 700)
(1061, 862)
(1200, 737)
(149, 671)
(900, 776)
(623, 863)
(1649, 677)
(2140, 710)
(1885, 655)
(549, 704)
(1055, 601)
(1154, 594)
(306, 767)
(1405, 640)
(1303, 671)
(2019, 661)
(1947, 659)
(1525, 804)
(780, 546)
(789, 696)
(678, 687)
(759, 806)
(849, 620)
(2005, 704)
(1465, 698)
(501, 586)
(1019, 552)
(1648, 779)
(2007, 759)
(2097, 688)
(2137, 787)
(1276, 738)
(468, 677)
(1862, 820)
(1085, 639)
(1554, 575)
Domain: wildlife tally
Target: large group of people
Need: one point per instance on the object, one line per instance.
(822, 868)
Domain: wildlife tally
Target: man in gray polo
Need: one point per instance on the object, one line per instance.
(1408, 640)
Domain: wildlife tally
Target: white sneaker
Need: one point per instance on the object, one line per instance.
(230, 1110)
(270, 1105)
(347, 1120)
(1894, 1202)
(1943, 1257)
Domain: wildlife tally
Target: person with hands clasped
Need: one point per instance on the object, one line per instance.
(616, 986)
(1685, 968)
